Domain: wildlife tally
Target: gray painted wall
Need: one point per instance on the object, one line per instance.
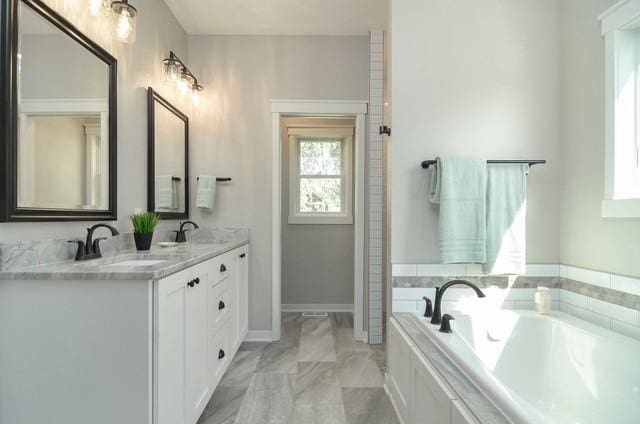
(587, 239)
(232, 129)
(317, 260)
(139, 66)
(483, 82)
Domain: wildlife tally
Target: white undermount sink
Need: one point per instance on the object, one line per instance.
(139, 262)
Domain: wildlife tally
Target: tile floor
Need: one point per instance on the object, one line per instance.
(316, 374)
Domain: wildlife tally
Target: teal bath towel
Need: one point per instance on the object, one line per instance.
(506, 219)
(459, 186)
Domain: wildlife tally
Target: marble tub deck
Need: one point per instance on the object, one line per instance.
(316, 374)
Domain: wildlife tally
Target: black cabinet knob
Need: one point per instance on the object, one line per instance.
(191, 283)
(223, 268)
(221, 305)
(197, 280)
(242, 255)
(221, 354)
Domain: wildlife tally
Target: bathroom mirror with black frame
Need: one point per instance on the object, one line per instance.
(57, 117)
(168, 161)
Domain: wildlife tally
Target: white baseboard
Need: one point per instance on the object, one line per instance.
(259, 336)
(315, 307)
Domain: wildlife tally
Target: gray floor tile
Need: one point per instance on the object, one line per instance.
(316, 384)
(223, 406)
(269, 400)
(368, 406)
(359, 369)
(342, 319)
(318, 414)
(317, 341)
(345, 342)
(280, 357)
(253, 346)
(242, 368)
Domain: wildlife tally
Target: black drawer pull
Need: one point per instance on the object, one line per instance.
(221, 305)
(242, 255)
(191, 283)
(223, 268)
(197, 280)
(221, 354)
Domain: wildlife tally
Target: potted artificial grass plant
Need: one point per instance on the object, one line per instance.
(143, 225)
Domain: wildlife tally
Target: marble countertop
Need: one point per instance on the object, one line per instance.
(483, 409)
(174, 259)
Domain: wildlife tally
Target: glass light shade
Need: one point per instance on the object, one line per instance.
(125, 21)
(184, 84)
(172, 72)
(98, 7)
(195, 93)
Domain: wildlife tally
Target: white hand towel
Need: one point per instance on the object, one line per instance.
(506, 219)
(164, 192)
(206, 194)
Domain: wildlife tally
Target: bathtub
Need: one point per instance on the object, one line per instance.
(546, 369)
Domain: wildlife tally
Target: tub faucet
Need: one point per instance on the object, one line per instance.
(90, 248)
(181, 234)
(437, 318)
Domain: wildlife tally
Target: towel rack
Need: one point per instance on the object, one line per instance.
(220, 179)
(427, 163)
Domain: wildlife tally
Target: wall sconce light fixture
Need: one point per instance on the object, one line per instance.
(178, 75)
(123, 15)
(125, 20)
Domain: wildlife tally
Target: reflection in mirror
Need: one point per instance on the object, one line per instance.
(63, 119)
(168, 164)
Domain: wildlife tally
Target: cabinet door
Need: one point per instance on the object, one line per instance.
(197, 389)
(399, 374)
(169, 350)
(242, 308)
(431, 402)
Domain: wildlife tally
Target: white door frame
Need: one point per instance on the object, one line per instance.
(358, 110)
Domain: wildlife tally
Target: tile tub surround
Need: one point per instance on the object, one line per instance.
(607, 300)
(53, 259)
(280, 383)
(483, 409)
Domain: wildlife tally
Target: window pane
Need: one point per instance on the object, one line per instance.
(320, 157)
(320, 195)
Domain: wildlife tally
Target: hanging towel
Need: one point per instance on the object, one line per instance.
(506, 219)
(206, 195)
(165, 192)
(459, 186)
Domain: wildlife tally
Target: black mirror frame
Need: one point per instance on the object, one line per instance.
(9, 210)
(152, 98)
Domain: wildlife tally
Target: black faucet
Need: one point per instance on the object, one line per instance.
(181, 234)
(90, 249)
(428, 309)
(436, 318)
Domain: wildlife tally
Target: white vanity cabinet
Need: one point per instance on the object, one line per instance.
(419, 394)
(198, 330)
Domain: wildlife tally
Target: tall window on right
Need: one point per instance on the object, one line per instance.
(621, 31)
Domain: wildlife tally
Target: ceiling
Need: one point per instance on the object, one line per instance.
(279, 17)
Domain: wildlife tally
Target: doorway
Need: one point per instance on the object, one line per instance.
(332, 197)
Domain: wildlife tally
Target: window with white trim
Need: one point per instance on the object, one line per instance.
(621, 31)
(320, 175)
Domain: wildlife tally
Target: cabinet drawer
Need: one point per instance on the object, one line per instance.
(220, 354)
(221, 304)
(220, 267)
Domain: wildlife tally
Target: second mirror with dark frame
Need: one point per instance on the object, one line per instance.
(57, 119)
(168, 160)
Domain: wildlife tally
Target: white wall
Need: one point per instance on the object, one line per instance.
(588, 240)
(479, 81)
(139, 66)
(231, 135)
